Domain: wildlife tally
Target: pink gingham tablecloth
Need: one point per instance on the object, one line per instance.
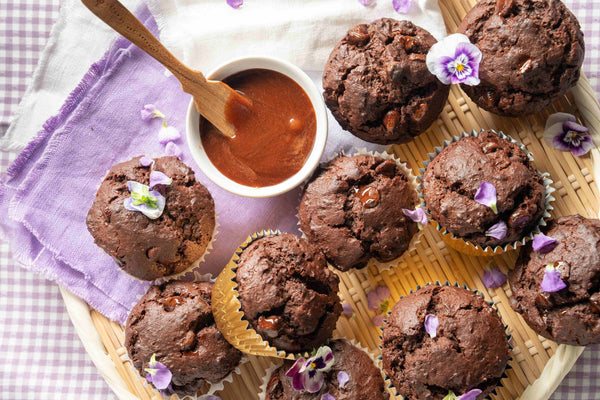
(41, 356)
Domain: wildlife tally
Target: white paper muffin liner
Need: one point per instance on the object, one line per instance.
(262, 392)
(415, 240)
(468, 247)
(388, 381)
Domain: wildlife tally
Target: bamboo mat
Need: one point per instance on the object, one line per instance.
(432, 260)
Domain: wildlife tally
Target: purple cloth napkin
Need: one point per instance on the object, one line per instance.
(46, 193)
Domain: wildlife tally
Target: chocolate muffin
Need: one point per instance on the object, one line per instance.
(377, 84)
(532, 54)
(571, 315)
(151, 248)
(453, 177)
(287, 293)
(469, 351)
(174, 321)
(365, 381)
(352, 211)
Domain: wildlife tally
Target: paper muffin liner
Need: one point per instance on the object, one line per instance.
(228, 313)
(465, 246)
(209, 388)
(262, 392)
(388, 381)
(416, 238)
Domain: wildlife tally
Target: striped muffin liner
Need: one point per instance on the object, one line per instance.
(388, 381)
(228, 313)
(208, 388)
(262, 392)
(465, 246)
(415, 240)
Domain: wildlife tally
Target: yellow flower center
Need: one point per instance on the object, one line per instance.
(313, 365)
(460, 67)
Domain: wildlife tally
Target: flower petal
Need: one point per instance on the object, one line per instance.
(401, 6)
(487, 196)
(146, 161)
(168, 134)
(235, 3)
(492, 277)
(431, 325)
(377, 296)
(574, 126)
(378, 320)
(159, 178)
(149, 202)
(327, 396)
(171, 149)
(347, 310)
(295, 369)
(162, 378)
(367, 3)
(470, 395)
(342, 378)
(313, 384)
(454, 59)
(147, 113)
(497, 231)
(586, 145)
(418, 215)
(542, 243)
(552, 282)
(559, 117)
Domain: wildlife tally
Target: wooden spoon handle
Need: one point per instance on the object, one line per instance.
(115, 15)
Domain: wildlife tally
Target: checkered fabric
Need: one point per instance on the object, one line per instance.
(41, 356)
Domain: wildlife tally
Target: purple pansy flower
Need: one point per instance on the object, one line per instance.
(543, 243)
(149, 202)
(146, 161)
(347, 310)
(486, 195)
(150, 111)
(159, 178)
(470, 395)
(431, 324)
(235, 3)
(564, 133)
(167, 133)
(379, 300)
(308, 375)
(497, 231)
(171, 149)
(455, 59)
(552, 282)
(492, 277)
(342, 378)
(401, 6)
(418, 215)
(158, 374)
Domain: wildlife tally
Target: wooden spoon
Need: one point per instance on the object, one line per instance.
(210, 97)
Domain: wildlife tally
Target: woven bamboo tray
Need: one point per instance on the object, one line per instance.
(538, 365)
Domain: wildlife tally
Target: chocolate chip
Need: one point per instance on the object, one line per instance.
(595, 302)
(543, 300)
(152, 253)
(526, 66)
(358, 35)
(519, 218)
(490, 147)
(189, 340)
(270, 326)
(417, 57)
(489, 98)
(170, 303)
(504, 7)
(420, 112)
(408, 42)
(369, 196)
(390, 120)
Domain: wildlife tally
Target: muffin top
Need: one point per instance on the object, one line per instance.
(352, 211)
(469, 351)
(453, 178)
(151, 248)
(287, 293)
(364, 383)
(377, 84)
(174, 321)
(571, 315)
(532, 53)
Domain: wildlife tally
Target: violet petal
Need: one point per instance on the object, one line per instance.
(347, 310)
(171, 149)
(498, 230)
(470, 395)
(542, 242)
(235, 3)
(342, 378)
(402, 6)
(314, 383)
(162, 378)
(159, 178)
(378, 320)
(327, 396)
(418, 215)
(552, 282)
(146, 161)
(367, 3)
(377, 296)
(492, 277)
(168, 134)
(431, 325)
(487, 196)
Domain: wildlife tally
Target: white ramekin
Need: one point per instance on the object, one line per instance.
(295, 73)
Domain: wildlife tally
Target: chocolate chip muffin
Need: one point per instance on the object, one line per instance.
(365, 381)
(571, 315)
(452, 178)
(352, 211)
(532, 54)
(151, 248)
(174, 321)
(469, 349)
(287, 293)
(377, 84)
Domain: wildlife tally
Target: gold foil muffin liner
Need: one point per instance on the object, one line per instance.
(465, 246)
(414, 241)
(388, 381)
(228, 313)
(262, 392)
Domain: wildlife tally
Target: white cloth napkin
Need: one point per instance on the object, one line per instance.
(204, 33)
